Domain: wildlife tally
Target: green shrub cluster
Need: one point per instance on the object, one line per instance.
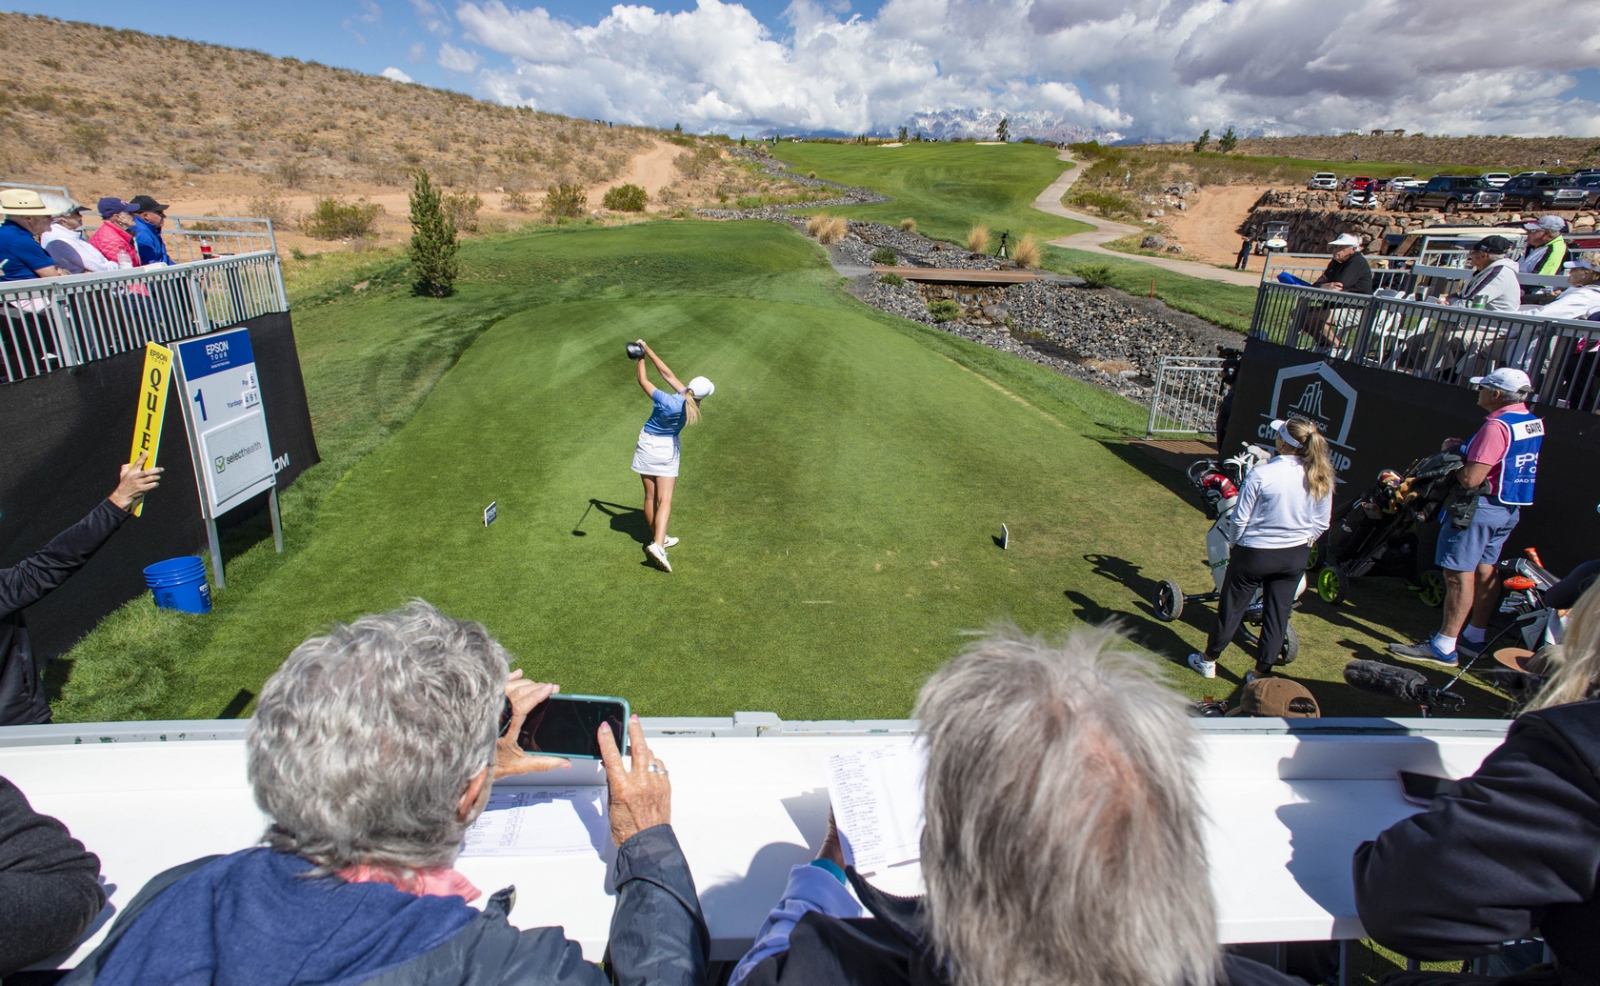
(565, 201)
(893, 280)
(625, 198)
(333, 219)
(885, 256)
(1094, 275)
(943, 309)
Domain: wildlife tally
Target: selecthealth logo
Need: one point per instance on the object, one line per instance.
(222, 461)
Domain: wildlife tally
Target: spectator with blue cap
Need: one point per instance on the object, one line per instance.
(114, 238)
(1496, 482)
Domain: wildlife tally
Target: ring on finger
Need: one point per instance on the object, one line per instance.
(656, 768)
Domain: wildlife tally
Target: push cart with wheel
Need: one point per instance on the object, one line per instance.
(1219, 485)
(1382, 532)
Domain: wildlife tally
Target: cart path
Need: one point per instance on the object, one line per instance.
(1105, 230)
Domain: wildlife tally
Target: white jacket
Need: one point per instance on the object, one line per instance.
(1497, 284)
(1275, 510)
(1573, 303)
(92, 259)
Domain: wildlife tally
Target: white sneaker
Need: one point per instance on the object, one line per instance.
(670, 543)
(1205, 668)
(659, 553)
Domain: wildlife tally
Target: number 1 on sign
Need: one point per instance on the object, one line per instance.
(200, 398)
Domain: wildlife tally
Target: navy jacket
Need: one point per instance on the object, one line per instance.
(49, 884)
(22, 700)
(1517, 850)
(256, 918)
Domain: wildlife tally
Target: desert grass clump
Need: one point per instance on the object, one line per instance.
(978, 239)
(625, 198)
(335, 219)
(462, 208)
(1094, 275)
(885, 256)
(1027, 252)
(433, 241)
(827, 229)
(908, 225)
(515, 201)
(893, 280)
(565, 201)
(269, 207)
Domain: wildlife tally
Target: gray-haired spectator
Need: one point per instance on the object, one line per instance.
(1580, 300)
(64, 240)
(26, 219)
(1547, 251)
(1062, 843)
(1494, 280)
(372, 751)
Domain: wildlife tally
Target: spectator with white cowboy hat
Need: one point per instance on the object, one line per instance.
(1497, 480)
(26, 219)
(64, 240)
(1547, 251)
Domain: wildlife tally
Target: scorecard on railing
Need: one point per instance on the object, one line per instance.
(1434, 341)
(49, 323)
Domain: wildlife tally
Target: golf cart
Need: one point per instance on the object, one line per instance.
(1273, 236)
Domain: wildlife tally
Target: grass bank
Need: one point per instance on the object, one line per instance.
(837, 506)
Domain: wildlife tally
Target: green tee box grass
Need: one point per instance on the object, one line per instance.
(837, 505)
(946, 188)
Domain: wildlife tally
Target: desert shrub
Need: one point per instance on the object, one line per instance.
(565, 201)
(893, 280)
(462, 208)
(42, 102)
(697, 163)
(811, 174)
(908, 225)
(143, 175)
(515, 201)
(87, 139)
(1026, 253)
(202, 160)
(269, 207)
(827, 229)
(433, 241)
(291, 173)
(1094, 275)
(750, 202)
(978, 239)
(1106, 203)
(943, 309)
(625, 198)
(333, 219)
(885, 256)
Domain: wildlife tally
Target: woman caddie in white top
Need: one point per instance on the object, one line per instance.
(1284, 506)
(656, 457)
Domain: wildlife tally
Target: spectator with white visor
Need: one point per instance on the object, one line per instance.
(1579, 301)
(1547, 251)
(1284, 506)
(1496, 481)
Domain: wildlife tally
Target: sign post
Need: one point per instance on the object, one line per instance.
(227, 430)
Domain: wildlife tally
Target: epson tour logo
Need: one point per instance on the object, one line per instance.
(217, 351)
(1315, 392)
(222, 461)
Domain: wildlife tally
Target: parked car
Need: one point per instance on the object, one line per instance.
(1324, 180)
(1401, 184)
(1360, 198)
(1545, 192)
(1360, 183)
(1529, 174)
(1452, 193)
(1497, 178)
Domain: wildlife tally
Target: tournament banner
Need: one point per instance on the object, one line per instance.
(152, 409)
(227, 423)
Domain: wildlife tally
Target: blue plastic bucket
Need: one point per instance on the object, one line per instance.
(180, 584)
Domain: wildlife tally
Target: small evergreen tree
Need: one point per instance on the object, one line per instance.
(433, 241)
(1002, 133)
(1201, 141)
(902, 135)
(1229, 141)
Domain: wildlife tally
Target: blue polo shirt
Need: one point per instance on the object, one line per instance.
(147, 239)
(667, 417)
(21, 254)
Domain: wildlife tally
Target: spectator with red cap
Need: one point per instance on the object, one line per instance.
(1496, 481)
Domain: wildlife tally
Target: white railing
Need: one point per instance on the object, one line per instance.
(209, 237)
(49, 323)
(1186, 394)
(1435, 342)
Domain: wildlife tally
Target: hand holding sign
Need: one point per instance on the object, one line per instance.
(136, 482)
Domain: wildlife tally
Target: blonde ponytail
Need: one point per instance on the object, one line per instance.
(1313, 452)
(1578, 677)
(691, 408)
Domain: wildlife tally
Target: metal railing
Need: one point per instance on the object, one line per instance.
(1435, 342)
(1386, 273)
(49, 323)
(1186, 394)
(208, 237)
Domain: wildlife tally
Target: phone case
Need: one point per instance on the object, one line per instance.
(627, 713)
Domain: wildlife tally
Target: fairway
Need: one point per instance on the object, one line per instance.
(838, 505)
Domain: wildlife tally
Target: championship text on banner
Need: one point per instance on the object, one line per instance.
(152, 409)
(227, 425)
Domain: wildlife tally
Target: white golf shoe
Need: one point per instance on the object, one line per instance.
(659, 553)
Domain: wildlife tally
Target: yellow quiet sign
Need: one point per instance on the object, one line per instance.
(152, 408)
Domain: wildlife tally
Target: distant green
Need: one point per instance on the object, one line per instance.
(838, 506)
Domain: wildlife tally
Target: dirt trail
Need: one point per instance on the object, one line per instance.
(1208, 230)
(1105, 230)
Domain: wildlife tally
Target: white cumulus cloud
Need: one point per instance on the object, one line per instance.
(396, 75)
(457, 59)
(1161, 68)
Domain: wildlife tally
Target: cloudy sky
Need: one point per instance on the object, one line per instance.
(1134, 68)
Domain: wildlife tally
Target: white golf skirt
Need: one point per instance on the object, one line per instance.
(656, 455)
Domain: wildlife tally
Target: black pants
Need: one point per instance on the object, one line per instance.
(1276, 572)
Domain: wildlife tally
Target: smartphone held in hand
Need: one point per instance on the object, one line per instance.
(568, 725)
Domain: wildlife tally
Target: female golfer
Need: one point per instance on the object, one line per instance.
(656, 458)
(1284, 506)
